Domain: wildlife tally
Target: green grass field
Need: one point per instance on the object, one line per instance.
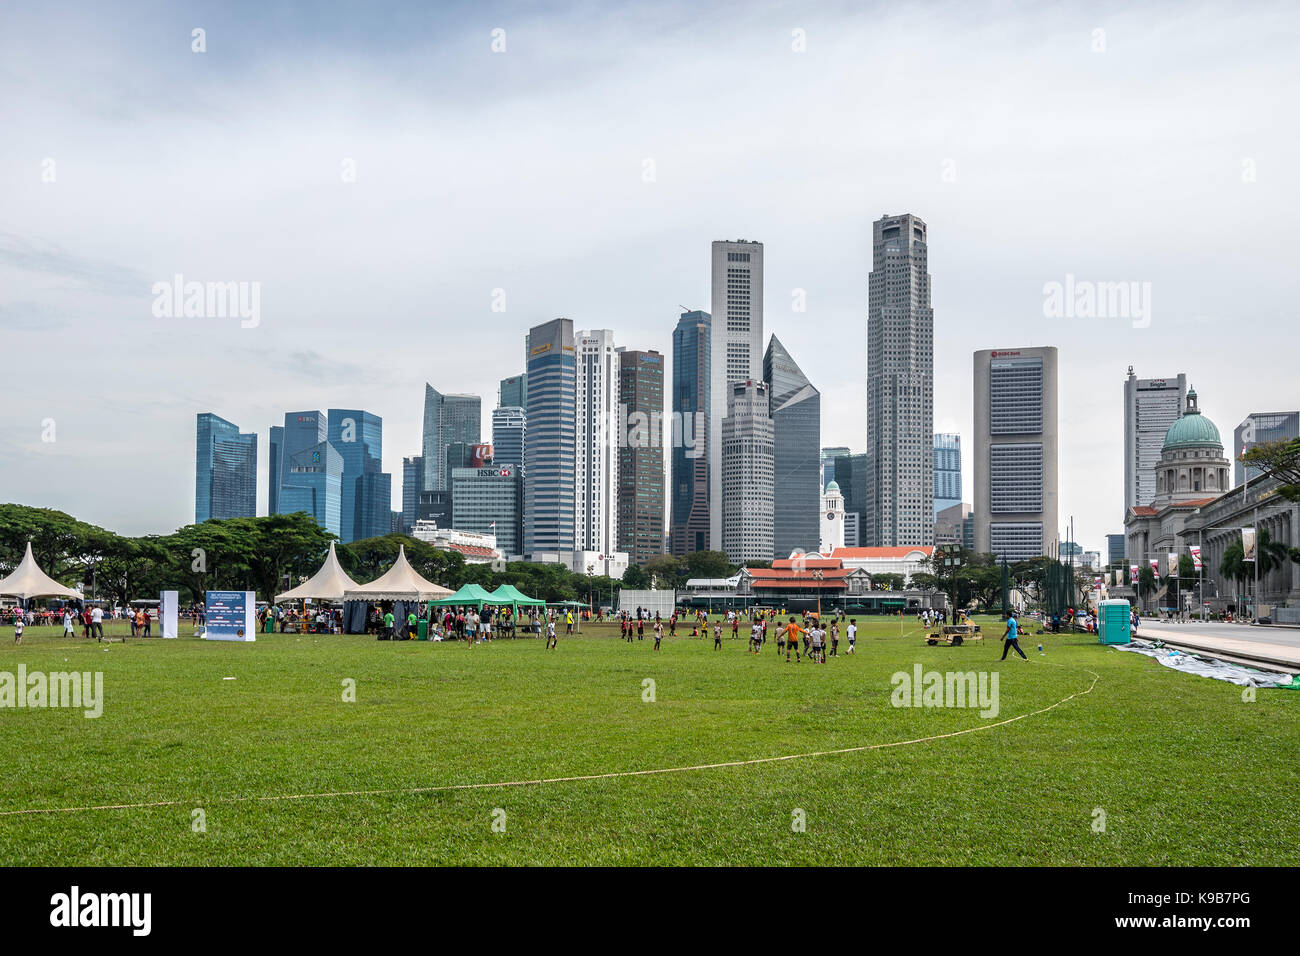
(1185, 771)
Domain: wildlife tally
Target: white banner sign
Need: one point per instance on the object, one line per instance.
(168, 609)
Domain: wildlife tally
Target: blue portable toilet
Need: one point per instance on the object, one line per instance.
(1113, 620)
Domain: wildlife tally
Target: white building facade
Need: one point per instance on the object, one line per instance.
(595, 523)
(832, 519)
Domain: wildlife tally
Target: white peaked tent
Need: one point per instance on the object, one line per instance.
(29, 581)
(328, 584)
(398, 583)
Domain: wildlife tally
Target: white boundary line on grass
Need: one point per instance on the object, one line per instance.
(445, 788)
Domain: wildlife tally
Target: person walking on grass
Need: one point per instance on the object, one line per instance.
(835, 638)
(67, 623)
(853, 634)
(1011, 638)
(717, 635)
(551, 640)
(18, 626)
(659, 634)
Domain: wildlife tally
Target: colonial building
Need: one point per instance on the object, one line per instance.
(1191, 472)
(1217, 524)
(832, 519)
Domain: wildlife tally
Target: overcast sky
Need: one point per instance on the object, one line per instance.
(1141, 142)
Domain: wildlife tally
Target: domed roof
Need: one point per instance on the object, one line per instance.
(1192, 430)
(833, 488)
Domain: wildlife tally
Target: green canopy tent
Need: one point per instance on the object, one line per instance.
(470, 595)
(511, 596)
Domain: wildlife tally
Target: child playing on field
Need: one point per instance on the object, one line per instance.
(717, 636)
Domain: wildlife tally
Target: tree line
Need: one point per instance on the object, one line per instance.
(268, 555)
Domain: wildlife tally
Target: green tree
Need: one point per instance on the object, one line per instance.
(1279, 460)
(708, 564)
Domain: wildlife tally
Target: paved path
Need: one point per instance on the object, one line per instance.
(1278, 647)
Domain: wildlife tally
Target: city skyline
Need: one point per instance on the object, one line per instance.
(73, 270)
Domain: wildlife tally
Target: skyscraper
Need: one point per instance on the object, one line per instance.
(447, 419)
(513, 392)
(596, 452)
(641, 455)
(1151, 405)
(796, 410)
(549, 474)
(486, 501)
(1115, 548)
(736, 349)
(225, 470)
(273, 464)
(1015, 452)
(689, 524)
(358, 437)
(1260, 427)
(900, 386)
(509, 424)
(301, 431)
(312, 482)
(412, 485)
(747, 474)
(947, 472)
(851, 473)
(828, 462)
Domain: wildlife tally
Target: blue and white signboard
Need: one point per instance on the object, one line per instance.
(231, 616)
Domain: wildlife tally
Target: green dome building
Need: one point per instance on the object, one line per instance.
(1192, 463)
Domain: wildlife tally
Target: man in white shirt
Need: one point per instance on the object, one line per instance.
(853, 634)
(97, 622)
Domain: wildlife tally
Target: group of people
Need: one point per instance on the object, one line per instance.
(89, 617)
(813, 636)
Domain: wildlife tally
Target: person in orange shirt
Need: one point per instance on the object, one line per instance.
(139, 622)
(793, 632)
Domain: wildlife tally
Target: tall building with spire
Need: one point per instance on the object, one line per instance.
(900, 386)
(796, 410)
(736, 349)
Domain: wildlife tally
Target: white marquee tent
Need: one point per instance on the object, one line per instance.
(398, 583)
(330, 583)
(29, 581)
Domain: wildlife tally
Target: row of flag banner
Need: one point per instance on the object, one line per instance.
(1171, 561)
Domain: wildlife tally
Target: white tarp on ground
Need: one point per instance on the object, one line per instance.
(1206, 666)
(29, 581)
(330, 583)
(663, 601)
